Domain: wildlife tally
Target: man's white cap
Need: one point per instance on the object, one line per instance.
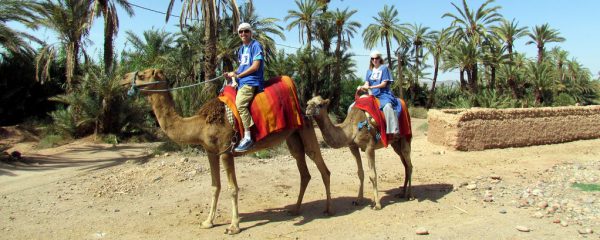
(375, 54)
(245, 26)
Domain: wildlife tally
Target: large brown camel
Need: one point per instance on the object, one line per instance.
(347, 134)
(210, 129)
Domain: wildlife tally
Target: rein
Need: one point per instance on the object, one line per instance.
(135, 88)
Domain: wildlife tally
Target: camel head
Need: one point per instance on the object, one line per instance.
(149, 79)
(316, 105)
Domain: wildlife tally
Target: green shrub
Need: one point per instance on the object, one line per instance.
(564, 99)
(51, 140)
(263, 154)
(587, 187)
(167, 146)
(110, 139)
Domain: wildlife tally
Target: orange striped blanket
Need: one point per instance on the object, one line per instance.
(371, 105)
(275, 109)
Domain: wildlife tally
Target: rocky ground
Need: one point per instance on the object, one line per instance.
(97, 191)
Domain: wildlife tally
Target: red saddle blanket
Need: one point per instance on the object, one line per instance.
(275, 109)
(371, 105)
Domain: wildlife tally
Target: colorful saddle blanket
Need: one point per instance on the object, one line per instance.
(275, 109)
(370, 104)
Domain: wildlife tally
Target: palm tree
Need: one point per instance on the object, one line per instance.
(210, 16)
(69, 19)
(187, 60)
(151, 51)
(386, 27)
(508, 32)
(464, 56)
(560, 57)
(580, 85)
(263, 28)
(108, 10)
(418, 36)
(15, 41)
(493, 57)
(471, 26)
(345, 30)
(304, 19)
(437, 45)
(541, 35)
(403, 56)
(540, 77)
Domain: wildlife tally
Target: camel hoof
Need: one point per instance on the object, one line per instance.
(231, 230)
(206, 225)
(376, 207)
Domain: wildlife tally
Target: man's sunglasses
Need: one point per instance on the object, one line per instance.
(243, 31)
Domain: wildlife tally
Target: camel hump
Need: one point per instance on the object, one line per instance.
(273, 110)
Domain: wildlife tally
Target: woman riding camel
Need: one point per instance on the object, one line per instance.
(377, 83)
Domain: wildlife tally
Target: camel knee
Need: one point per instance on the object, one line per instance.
(216, 189)
(304, 179)
(233, 191)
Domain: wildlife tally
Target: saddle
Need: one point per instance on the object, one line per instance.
(370, 104)
(273, 110)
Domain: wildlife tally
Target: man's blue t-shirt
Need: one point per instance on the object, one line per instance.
(246, 55)
(376, 76)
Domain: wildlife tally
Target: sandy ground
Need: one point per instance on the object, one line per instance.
(99, 191)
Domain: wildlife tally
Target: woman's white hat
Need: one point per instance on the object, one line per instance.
(375, 54)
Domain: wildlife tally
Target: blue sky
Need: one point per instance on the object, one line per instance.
(576, 20)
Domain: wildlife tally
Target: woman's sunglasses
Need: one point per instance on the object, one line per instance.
(374, 58)
(243, 31)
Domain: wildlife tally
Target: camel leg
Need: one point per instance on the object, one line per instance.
(313, 150)
(295, 147)
(361, 175)
(229, 164)
(213, 160)
(373, 177)
(402, 147)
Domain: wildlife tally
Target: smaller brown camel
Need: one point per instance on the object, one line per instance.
(210, 129)
(347, 134)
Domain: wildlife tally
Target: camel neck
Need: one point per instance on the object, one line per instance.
(333, 134)
(175, 126)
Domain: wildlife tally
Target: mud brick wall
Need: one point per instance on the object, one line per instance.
(482, 128)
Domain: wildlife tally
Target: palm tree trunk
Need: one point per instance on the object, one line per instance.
(493, 77)
(336, 86)
(389, 53)
(400, 75)
(513, 87)
(463, 83)
(540, 54)
(210, 51)
(473, 80)
(538, 96)
(413, 85)
(309, 37)
(433, 82)
(108, 44)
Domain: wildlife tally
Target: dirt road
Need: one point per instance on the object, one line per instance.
(99, 191)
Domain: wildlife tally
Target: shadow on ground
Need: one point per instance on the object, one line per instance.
(342, 206)
(65, 159)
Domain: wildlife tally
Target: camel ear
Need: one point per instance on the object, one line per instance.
(158, 74)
